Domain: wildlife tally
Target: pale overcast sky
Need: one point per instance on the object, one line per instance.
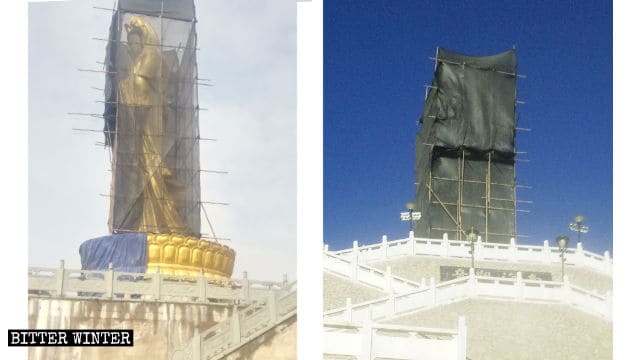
(248, 49)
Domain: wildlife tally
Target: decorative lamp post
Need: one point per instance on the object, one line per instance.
(472, 236)
(411, 206)
(563, 242)
(410, 215)
(579, 226)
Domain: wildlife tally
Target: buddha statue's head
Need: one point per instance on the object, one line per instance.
(140, 35)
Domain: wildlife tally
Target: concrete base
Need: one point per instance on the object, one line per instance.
(159, 328)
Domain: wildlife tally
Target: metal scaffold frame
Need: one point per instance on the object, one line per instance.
(452, 202)
(109, 69)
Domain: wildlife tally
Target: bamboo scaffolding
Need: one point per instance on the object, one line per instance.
(482, 182)
(208, 221)
(436, 59)
(487, 189)
(150, 135)
(179, 169)
(188, 80)
(162, 46)
(444, 207)
(148, 13)
(482, 207)
(208, 236)
(150, 106)
(201, 235)
(484, 240)
(198, 203)
(489, 202)
(514, 152)
(502, 199)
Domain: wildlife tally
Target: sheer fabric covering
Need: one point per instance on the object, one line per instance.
(151, 118)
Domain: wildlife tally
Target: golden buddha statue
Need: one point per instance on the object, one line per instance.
(143, 92)
(146, 191)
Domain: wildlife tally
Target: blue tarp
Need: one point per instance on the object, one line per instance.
(127, 253)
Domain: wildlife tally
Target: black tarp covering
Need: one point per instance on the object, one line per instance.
(472, 102)
(466, 140)
(154, 145)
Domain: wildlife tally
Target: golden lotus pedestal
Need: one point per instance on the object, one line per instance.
(175, 254)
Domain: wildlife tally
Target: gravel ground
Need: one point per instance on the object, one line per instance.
(510, 330)
(337, 290)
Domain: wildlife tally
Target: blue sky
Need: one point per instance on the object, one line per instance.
(376, 64)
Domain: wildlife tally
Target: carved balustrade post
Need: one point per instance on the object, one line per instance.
(519, 285)
(156, 283)
(392, 304)
(513, 250)
(432, 290)
(109, 281)
(607, 260)
(60, 279)
(366, 338)
(471, 283)
(384, 247)
(412, 243)
(462, 338)
(547, 251)
(354, 269)
(445, 244)
(389, 278)
(348, 312)
(479, 249)
(272, 303)
(579, 254)
(246, 287)
(236, 335)
(202, 282)
(355, 251)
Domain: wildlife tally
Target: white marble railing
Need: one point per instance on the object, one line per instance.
(382, 280)
(380, 341)
(444, 247)
(470, 287)
(109, 284)
(241, 327)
